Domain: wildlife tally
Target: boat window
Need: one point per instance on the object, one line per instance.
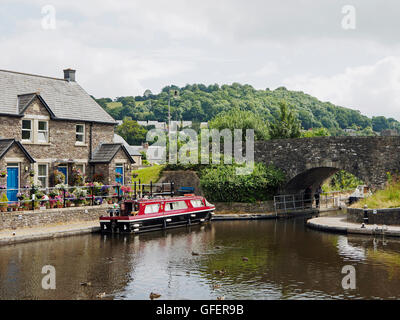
(179, 205)
(196, 203)
(152, 208)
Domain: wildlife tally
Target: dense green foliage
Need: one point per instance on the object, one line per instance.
(342, 180)
(132, 132)
(221, 183)
(239, 119)
(286, 125)
(198, 103)
(319, 132)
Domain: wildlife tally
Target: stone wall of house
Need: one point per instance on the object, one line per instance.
(120, 157)
(13, 154)
(379, 216)
(23, 219)
(10, 127)
(62, 141)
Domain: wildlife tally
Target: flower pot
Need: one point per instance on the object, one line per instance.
(3, 209)
(20, 209)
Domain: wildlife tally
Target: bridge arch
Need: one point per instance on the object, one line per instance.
(313, 160)
(312, 177)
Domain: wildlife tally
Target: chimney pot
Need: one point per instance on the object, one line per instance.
(69, 74)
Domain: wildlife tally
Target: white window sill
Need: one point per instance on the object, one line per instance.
(36, 143)
(79, 144)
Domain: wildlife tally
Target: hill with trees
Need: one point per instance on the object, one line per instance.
(200, 103)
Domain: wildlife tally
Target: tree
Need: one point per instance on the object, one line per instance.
(132, 132)
(239, 119)
(317, 132)
(285, 125)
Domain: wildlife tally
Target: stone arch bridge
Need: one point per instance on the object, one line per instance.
(310, 161)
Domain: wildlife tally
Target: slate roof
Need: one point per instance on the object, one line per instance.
(6, 144)
(66, 99)
(107, 151)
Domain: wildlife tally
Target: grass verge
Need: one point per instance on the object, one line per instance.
(146, 175)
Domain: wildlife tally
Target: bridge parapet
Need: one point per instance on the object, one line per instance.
(309, 161)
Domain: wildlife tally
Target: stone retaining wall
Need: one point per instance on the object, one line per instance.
(237, 207)
(21, 219)
(381, 216)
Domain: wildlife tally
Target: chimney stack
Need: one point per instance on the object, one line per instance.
(69, 74)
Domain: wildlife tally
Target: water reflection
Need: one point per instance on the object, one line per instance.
(285, 261)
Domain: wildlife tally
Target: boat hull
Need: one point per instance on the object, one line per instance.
(147, 224)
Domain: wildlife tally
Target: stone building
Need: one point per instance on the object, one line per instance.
(51, 124)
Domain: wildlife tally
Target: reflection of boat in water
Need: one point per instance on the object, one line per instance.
(143, 215)
(361, 192)
(347, 250)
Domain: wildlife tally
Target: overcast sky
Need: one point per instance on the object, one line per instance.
(125, 47)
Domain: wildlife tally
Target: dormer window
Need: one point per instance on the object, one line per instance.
(27, 130)
(80, 134)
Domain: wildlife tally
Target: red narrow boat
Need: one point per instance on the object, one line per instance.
(143, 215)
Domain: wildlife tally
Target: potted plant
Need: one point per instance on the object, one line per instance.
(32, 173)
(3, 202)
(3, 173)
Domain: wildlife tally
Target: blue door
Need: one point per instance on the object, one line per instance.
(64, 171)
(12, 183)
(120, 170)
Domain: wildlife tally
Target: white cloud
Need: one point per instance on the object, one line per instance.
(372, 89)
(123, 47)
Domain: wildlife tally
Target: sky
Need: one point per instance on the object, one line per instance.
(345, 52)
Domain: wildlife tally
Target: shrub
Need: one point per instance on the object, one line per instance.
(3, 200)
(221, 183)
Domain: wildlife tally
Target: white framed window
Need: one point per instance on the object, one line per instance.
(27, 130)
(80, 133)
(152, 208)
(43, 175)
(197, 203)
(179, 205)
(43, 131)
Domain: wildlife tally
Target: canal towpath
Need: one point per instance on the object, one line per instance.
(339, 224)
(9, 236)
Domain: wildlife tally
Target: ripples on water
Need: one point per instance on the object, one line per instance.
(285, 261)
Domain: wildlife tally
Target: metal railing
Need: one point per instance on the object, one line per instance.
(91, 194)
(299, 202)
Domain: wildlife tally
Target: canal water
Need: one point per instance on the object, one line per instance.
(285, 260)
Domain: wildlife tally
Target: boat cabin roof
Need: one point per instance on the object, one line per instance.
(182, 198)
